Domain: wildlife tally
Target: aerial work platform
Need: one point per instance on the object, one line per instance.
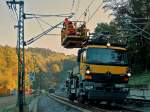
(73, 34)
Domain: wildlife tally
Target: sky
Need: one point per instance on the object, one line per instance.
(8, 34)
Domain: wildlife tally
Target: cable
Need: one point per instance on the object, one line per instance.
(39, 23)
(14, 13)
(87, 9)
(42, 34)
(53, 34)
(139, 28)
(13, 19)
(44, 22)
(89, 15)
(73, 2)
(142, 35)
(137, 31)
(14, 10)
(50, 15)
(134, 18)
(77, 7)
(95, 12)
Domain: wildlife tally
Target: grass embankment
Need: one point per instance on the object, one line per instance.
(142, 79)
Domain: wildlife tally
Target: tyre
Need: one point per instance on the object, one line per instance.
(72, 97)
(81, 99)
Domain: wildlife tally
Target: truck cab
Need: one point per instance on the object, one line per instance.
(104, 73)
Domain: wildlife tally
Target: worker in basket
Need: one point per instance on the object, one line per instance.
(82, 30)
(69, 27)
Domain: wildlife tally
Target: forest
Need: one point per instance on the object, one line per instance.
(49, 67)
(131, 23)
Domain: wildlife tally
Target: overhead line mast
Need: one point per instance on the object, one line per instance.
(20, 51)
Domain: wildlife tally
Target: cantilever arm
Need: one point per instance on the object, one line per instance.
(28, 42)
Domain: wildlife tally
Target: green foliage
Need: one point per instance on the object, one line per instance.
(132, 19)
(103, 27)
(142, 79)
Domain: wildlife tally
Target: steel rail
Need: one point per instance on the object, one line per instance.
(120, 108)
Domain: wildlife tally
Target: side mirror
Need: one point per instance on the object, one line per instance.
(78, 58)
(79, 55)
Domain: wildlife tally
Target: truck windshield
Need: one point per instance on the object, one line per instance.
(106, 56)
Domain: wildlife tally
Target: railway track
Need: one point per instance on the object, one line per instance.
(91, 108)
(137, 101)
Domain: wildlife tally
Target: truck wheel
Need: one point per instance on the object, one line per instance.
(71, 97)
(81, 99)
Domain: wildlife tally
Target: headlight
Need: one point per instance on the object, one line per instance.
(88, 87)
(108, 44)
(129, 74)
(87, 71)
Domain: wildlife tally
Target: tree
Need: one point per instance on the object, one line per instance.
(132, 17)
(103, 27)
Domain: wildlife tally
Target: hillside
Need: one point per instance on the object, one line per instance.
(50, 67)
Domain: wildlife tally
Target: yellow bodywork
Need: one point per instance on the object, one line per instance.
(102, 46)
(103, 69)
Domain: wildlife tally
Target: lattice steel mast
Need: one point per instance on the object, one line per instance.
(20, 52)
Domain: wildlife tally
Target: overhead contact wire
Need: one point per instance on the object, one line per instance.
(87, 9)
(39, 24)
(95, 12)
(73, 2)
